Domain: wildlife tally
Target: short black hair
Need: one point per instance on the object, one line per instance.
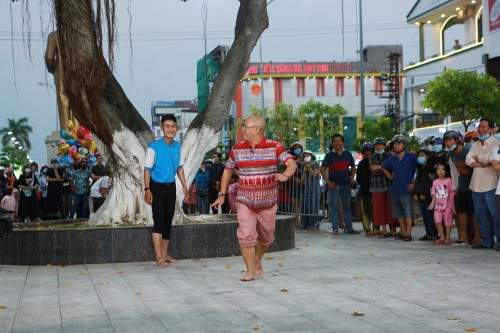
(490, 122)
(218, 155)
(34, 164)
(9, 190)
(166, 117)
(338, 135)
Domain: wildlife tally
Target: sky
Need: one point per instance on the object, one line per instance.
(168, 39)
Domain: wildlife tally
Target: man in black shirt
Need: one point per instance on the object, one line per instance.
(54, 189)
(98, 169)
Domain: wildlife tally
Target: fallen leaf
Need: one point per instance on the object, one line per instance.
(66, 284)
(204, 265)
(281, 265)
(334, 245)
(426, 263)
(137, 292)
(120, 271)
(284, 290)
(357, 314)
(306, 245)
(359, 278)
(228, 267)
(371, 253)
(49, 265)
(2, 307)
(63, 265)
(445, 298)
(415, 273)
(325, 234)
(452, 318)
(269, 258)
(281, 258)
(84, 273)
(257, 327)
(470, 329)
(100, 283)
(40, 228)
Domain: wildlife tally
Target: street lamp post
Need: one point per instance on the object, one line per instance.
(361, 62)
(41, 84)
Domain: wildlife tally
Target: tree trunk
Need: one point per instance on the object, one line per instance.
(100, 104)
(204, 132)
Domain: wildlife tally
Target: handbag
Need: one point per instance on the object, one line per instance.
(38, 195)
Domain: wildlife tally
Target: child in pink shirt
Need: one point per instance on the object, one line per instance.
(8, 204)
(443, 203)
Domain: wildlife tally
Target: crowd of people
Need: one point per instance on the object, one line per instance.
(453, 178)
(55, 191)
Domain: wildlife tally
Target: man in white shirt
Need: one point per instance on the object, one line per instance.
(495, 161)
(100, 189)
(483, 184)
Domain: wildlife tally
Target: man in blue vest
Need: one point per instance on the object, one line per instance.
(163, 162)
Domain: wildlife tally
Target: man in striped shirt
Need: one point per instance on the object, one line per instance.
(256, 159)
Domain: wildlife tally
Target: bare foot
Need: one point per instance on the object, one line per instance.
(259, 270)
(161, 263)
(248, 277)
(170, 259)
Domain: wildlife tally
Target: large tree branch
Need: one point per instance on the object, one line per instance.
(251, 22)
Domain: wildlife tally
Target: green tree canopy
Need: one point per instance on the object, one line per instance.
(10, 156)
(315, 118)
(382, 128)
(18, 129)
(467, 95)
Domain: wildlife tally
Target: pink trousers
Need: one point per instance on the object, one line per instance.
(255, 227)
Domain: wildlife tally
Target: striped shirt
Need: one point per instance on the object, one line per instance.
(257, 168)
(379, 183)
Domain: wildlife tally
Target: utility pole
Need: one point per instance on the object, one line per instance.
(361, 62)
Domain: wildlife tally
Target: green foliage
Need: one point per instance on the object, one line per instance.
(19, 130)
(10, 156)
(315, 118)
(382, 128)
(372, 129)
(281, 122)
(467, 95)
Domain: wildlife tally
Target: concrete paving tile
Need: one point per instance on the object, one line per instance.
(399, 287)
(87, 323)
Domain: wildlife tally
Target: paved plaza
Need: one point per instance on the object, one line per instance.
(344, 283)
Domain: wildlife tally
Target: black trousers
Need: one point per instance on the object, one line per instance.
(163, 207)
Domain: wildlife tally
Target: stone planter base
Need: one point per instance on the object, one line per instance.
(129, 244)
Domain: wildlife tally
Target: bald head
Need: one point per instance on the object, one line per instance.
(253, 129)
(256, 121)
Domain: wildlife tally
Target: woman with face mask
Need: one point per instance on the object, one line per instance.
(379, 188)
(438, 155)
(295, 183)
(28, 210)
(309, 201)
(422, 194)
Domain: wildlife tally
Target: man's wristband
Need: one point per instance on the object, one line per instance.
(287, 176)
(146, 188)
(221, 195)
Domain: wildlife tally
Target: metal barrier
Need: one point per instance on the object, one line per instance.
(304, 195)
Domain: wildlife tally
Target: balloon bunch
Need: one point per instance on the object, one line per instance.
(76, 145)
